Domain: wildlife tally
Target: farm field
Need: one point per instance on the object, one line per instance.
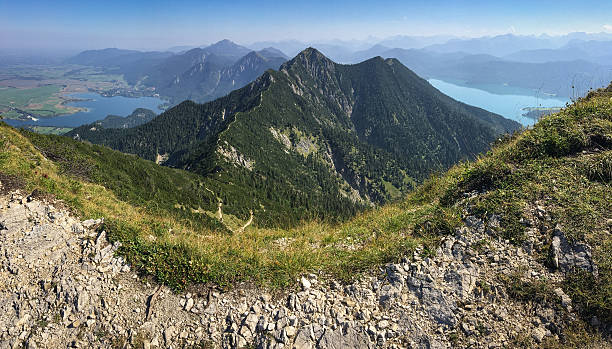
(32, 92)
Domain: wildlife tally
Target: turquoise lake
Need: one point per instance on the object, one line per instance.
(509, 105)
(98, 107)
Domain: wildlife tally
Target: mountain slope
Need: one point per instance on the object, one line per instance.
(511, 249)
(355, 135)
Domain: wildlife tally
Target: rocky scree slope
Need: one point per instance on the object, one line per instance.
(351, 135)
(62, 286)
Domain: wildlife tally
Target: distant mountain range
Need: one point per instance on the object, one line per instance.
(313, 139)
(599, 52)
(499, 46)
(566, 66)
(205, 74)
(199, 74)
(570, 78)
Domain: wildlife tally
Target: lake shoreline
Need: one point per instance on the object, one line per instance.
(509, 105)
(93, 107)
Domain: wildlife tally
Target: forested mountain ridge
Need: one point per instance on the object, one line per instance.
(315, 137)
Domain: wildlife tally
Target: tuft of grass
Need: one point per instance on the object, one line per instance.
(599, 167)
(537, 291)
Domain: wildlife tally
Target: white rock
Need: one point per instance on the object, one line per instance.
(189, 304)
(305, 283)
(290, 331)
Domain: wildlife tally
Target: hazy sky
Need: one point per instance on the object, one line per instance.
(85, 24)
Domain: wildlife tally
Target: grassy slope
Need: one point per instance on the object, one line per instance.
(564, 164)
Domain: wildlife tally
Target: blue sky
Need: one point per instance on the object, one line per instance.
(160, 24)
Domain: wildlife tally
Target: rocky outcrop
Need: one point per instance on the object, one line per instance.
(567, 256)
(62, 285)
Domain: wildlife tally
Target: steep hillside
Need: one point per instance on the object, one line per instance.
(352, 135)
(204, 74)
(171, 69)
(511, 250)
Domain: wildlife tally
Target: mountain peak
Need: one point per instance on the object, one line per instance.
(225, 42)
(269, 52)
(312, 52)
(253, 55)
(226, 47)
(310, 59)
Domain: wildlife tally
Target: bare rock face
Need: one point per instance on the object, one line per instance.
(61, 284)
(568, 256)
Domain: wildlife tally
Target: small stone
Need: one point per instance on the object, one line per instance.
(538, 334)
(566, 301)
(155, 342)
(349, 302)
(168, 334)
(290, 331)
(382, 324)
(189, 304)
(305, 283)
